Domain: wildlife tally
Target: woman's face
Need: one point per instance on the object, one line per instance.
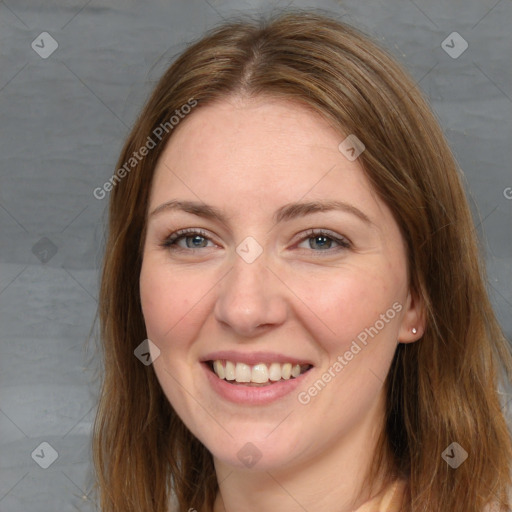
(273, 283)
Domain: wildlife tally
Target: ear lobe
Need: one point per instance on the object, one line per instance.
(413, 319)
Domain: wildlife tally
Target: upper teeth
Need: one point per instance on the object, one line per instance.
(258, 373)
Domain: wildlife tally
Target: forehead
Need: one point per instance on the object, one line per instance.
(242, 151)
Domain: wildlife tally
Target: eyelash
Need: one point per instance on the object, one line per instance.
(173, 238)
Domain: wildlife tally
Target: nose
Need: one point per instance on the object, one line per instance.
(250, 299)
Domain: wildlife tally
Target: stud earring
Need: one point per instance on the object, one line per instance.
(414, 330)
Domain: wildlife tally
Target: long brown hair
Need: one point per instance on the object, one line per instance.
(440, 389)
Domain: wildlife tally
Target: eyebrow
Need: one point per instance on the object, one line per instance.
(285, 213)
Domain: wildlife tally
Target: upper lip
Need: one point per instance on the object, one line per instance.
(252, 358)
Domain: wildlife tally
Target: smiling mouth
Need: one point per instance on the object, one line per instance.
(261, 374)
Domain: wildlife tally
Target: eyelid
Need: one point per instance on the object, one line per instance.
(183, 233)
(342, 241)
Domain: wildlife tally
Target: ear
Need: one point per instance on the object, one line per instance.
(413, 318)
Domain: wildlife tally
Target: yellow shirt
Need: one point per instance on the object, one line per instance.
(389, 500)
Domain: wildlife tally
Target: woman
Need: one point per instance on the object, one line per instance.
(291, 248)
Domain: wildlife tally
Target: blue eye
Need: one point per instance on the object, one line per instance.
(198, 239)
(323, 239)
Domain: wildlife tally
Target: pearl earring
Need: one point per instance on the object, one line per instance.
(414, 330)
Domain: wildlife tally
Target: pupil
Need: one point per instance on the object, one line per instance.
(321, 237)
(196, 238)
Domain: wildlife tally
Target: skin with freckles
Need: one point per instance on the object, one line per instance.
(308, 295)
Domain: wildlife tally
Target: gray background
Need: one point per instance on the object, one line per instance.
(63, 121)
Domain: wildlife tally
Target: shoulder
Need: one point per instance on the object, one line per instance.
(394, 496)
(390, 499)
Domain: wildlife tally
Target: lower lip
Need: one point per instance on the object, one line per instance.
(240, 394)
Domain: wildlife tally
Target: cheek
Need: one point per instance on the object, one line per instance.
(361, 314)
(347, 304)
(167, 301)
